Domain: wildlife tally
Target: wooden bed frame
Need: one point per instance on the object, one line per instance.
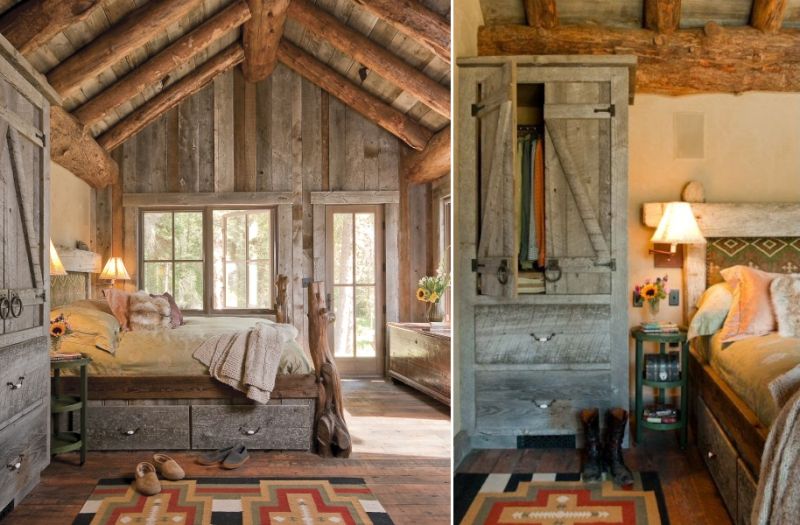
(330, 437)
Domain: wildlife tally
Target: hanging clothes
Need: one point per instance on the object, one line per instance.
(539, 198)
(525, 162)
(530, 166)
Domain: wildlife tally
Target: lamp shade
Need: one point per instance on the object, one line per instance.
(56, 266)
(678, 226)
(114, 269)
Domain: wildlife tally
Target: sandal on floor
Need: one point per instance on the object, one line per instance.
(236, 458)
(145, 479)
(168, 467)
(214, 457)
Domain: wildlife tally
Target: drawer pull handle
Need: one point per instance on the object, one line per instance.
(711, 455)
(17, 385)
(16, 465)
(543, 339)
(128, 432)
(544, 405)
(249, 431)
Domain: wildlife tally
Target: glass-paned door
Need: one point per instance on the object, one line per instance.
(355, 287)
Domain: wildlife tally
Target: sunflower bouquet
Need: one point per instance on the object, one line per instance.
(430, 289)
(59, 327)
(653, 292)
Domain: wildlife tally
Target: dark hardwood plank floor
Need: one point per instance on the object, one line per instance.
(690, 494)
(401, 448)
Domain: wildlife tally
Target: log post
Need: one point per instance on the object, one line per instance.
(74, 148)
(768, 15)
(281, 303)
(541, 13)
(663, 16)
(433, 162)
(260, 37)
(332, 436)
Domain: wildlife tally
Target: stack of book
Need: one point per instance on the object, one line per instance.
(660, 327)
(65, 356)
(661, 414)
(530, 282)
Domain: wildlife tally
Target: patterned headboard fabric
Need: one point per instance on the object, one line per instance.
(65, 289)
(771, 254)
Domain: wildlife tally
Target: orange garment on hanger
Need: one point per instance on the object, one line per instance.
(538, 195)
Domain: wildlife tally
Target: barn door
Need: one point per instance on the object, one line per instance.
(24, 271)
(580, 185)
(496, 263)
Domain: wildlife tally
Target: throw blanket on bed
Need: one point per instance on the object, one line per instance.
(247, 361)
(778, 497)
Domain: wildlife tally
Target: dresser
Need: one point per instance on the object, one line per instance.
(531, 352)
(420, 358)
(24, 280)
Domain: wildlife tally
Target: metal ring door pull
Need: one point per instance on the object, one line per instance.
(543, 339)
(17, 385)
(249, 431)
(552, 271)
(16, 305)
(502, 272)
(5, 307)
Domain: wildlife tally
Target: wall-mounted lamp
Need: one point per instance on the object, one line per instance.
(56, 266)
(113, 270)
(677, 226)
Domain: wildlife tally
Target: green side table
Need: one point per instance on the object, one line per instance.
(663, 339)
(70, 440)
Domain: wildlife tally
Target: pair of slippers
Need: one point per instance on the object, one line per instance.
(228, 458)
(146, 480)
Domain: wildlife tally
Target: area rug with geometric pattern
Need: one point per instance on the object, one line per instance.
(557, 499)
(235, 501)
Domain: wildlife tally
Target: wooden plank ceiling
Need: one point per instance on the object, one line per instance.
(117, 64)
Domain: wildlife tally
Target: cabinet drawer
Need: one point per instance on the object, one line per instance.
(24, 376)
(25, 443)
(277, 426)
(138, 427)
(720, 456)
(542, 334)
(747, 487)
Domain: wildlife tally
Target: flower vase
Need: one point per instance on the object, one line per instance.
(651, 311)
(434, 312)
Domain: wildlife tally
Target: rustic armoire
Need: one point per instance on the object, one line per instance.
(528, 363)
(24, 277)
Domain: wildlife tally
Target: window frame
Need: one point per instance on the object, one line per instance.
(208, 255)
(445, 249)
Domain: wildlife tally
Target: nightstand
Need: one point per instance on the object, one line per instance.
(69, 440)
(663, 339)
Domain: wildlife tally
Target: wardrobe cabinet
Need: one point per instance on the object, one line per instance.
(530, 362)
(24, 280)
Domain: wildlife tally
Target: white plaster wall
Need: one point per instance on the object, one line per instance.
(70, 208)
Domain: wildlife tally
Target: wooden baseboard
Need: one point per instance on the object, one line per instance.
(461, 448)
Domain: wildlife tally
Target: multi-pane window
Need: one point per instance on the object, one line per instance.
(238, 274)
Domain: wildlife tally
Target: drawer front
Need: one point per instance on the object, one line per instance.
(277, 426)
(24, 446)
(24, 376)
(542, 334)
(538, 402)
(746, 488)
(420, 358)
(720, 456)
(138, 427)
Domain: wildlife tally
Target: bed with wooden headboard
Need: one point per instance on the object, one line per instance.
(728, 432)
(197, 412)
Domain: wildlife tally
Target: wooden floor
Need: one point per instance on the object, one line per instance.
(401, 448)
(690, 494)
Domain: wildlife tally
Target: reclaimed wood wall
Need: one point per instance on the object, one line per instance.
(283, 134)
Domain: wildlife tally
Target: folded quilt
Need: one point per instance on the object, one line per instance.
(247, 360)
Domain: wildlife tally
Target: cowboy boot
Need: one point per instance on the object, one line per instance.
(616, 421)
(592, 464)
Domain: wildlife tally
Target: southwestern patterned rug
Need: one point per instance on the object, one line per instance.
(556, 499)
(235, 501)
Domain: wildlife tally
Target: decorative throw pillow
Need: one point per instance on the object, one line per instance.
(93, 304)
(751, 312)
(785, 292)
(118, 302)
(90, 326)
(712, 309)
(176, 315)
(148, 313)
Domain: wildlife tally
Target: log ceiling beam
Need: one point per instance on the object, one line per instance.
(32, 23)
(261, 37)
(432, 163)
(157, 70)
(371, 107)
(663, 16)
(131, 33)
(708, 60)
(411, 18)
(768, 15)
(171, 97)
(372, 56)
(541, 13)
(73, 147)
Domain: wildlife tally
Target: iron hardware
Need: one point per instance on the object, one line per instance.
(543, 339)
(18, 384)
(552, 271)
(249, 431)
(128, 432)
(611, 110)
(611, 264)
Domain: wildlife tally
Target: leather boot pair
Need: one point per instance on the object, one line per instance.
(598, 458)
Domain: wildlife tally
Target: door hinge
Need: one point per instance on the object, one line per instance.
(611, 264)
(476, 108)
(611, 110)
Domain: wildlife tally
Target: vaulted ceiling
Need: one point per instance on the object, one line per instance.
(119, 64)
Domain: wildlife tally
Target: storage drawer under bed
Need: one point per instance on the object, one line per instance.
(719, 455)
(138, 427)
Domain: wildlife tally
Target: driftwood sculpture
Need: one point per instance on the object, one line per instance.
(281, 302)
(333, 438)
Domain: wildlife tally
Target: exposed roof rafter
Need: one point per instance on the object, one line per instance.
(32, 23)
(261, 36)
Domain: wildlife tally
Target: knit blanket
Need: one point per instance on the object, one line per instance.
(778, 497)
(247, 361)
